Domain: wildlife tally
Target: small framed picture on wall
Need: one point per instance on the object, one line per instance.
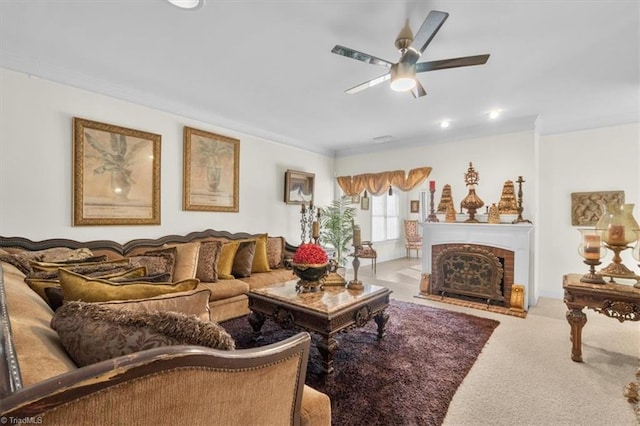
(364, 203)
(415, 206)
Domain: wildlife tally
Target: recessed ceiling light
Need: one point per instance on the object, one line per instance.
(187, 4)
(494, 114)
(444, 124)
(383, 139)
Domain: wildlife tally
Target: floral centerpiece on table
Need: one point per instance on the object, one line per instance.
(310, 263)
(310, 254)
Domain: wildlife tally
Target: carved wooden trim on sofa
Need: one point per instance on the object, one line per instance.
(121, 249)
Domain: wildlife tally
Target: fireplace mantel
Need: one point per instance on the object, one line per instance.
(517, 238)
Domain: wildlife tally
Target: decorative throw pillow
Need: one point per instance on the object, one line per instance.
(79, 287)
(40, 285)
(260, 258)
(208, 257)
(225, 262)
(92, 333)
(194, 302)
(155, 263)
(155, 278)
(275, 251)
(186, 260)
(243, 259)
(55, 298)
(91, 266)
(92, 259)
(21, 258)
(93, 269)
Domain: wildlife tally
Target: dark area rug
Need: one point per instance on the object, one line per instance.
(407, 378)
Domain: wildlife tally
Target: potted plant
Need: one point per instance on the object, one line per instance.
(336, 224)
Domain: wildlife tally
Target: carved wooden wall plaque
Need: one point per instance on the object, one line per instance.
(587, 207)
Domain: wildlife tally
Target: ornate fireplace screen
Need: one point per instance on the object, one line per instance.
(469, 271)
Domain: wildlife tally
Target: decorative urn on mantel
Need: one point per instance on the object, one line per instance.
(472, 202)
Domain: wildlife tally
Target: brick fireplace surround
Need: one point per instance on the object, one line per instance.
(512, 243)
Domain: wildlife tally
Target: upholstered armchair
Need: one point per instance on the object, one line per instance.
(366, 251)
(413, 239)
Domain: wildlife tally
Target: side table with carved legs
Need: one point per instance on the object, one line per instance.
(614, 300)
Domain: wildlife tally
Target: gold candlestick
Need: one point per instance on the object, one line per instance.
(520, 208)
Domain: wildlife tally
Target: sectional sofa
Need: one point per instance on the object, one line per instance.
(42, 383)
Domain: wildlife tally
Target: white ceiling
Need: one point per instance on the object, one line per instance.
(265, 67)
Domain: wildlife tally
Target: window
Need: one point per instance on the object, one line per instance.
(385, 221)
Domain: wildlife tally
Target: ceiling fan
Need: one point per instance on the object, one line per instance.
(403, 73)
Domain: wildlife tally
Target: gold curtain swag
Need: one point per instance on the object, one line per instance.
(378, 183)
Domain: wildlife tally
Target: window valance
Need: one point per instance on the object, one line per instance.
(378, 183)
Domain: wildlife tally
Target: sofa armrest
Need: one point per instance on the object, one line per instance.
(188, 384)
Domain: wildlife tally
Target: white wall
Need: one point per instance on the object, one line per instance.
(553, 167)
(603, 159)
(36, 167)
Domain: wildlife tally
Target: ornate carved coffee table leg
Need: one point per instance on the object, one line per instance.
(381, 319)
(256, 320)
(327, 347)
(577, 319)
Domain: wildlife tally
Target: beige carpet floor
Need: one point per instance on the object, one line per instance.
(524, 375)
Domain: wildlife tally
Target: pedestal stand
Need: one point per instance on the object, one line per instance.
(591, 277)
(616, 269)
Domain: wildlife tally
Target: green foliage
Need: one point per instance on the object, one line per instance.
(336, 226)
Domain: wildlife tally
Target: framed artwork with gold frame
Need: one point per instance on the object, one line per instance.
(116, 175)
(415, 206)
(298, 187)
(211, 171)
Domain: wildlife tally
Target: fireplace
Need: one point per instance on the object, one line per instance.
(472, 271)
(479, 261)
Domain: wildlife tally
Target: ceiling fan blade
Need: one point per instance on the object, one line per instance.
(418, 90)
(465, 61)
(428, 30)
(367, 84)
(364, 57)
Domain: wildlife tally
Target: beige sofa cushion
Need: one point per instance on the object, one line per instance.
(264, 279)
(225, 289)
(40, 354)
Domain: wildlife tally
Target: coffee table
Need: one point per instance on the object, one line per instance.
(328, 312)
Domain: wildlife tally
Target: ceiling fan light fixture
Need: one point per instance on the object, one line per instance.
(187, 4)
(403, 77)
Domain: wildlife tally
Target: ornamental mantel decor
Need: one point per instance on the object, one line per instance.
(472, 202)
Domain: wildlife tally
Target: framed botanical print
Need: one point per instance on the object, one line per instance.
(116, 175)
(211, 171)
(298, 187)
